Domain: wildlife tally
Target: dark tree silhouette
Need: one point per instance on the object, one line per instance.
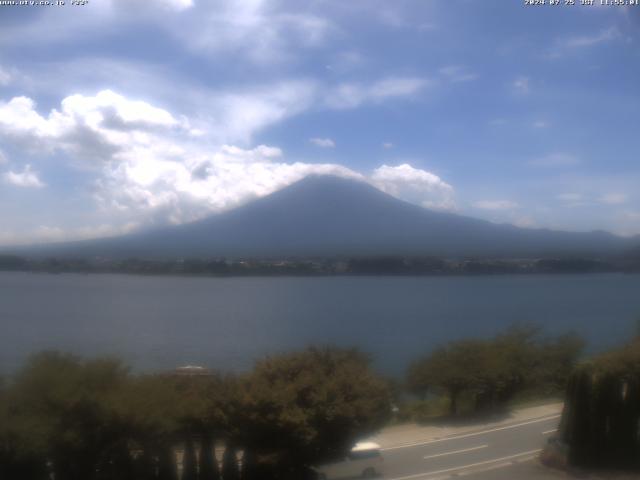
(230, 470)
(602, 411)
(209, 469)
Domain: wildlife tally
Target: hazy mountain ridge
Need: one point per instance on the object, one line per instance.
(332, 216)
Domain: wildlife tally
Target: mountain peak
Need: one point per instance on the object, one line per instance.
(329, 183)
(328, 215)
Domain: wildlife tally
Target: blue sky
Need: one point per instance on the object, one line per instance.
(119, 115)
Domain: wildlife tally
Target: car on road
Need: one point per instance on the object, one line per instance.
(363, 461)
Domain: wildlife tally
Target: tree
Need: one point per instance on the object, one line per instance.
(168, 410)
(67, 412)
(149, 404)
(556, 360)
(18, 458)
(311, 406)
(250, 465)
(230, 469)
(453, 369)
(493, 371)
(204, 413)
(209, 469)
(602, 411)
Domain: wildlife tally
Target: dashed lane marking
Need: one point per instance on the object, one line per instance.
(468, 466)
(473, 434)
(471, 449)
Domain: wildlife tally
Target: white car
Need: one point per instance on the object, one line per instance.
(364, 461)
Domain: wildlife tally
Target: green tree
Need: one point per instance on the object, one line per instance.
(307, 407)
(452, 369)
(18, 457)
(557, 357)
(66, 410)
(493, 371)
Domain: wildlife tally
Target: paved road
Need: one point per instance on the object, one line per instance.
(495, 452)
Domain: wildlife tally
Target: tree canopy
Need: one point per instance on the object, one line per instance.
(311, 406)
(492, 371)
(93, 420)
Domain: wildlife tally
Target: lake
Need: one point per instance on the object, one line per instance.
(156, 323)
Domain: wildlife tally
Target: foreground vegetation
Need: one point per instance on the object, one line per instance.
(487, 375)
(600, 426)
(83, 420)
(94, 420)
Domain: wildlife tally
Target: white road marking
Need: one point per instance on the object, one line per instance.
(455, 451)
(497, 466)
(474, 434)
(470, 465)
(549, 431)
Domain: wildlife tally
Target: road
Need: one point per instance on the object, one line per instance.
(495, 452)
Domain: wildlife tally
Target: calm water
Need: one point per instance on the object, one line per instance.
(163, 322)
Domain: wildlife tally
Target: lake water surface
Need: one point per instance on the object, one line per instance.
(162, 322)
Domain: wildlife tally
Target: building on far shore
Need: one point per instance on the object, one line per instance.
(192, 371)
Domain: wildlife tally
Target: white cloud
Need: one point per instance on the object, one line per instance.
(27, 178)
(524, 222)
(56, 234)
(495, 205)
(174, 4)
(570, 197)
(555, 160)
(521, 85)
(90, 128)
(414, 185)
(95, 128)
(150, 167)
(457, 73)
(580, 200)
(5, 77)
(540, 124)
(582, 41)
(323, 142)
(566, 45)
(346, 62)
(238, 115)
(147, 159)
(202, 183)
(632, 215)
(387, 145)
(3, 158)
(150, 5)
(574, 200)
(629, 222)
(255, 29)
(613, 199)
(352, 95)
(48, 233)
(396, 87)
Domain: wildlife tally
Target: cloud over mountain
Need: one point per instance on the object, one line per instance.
(153, 166)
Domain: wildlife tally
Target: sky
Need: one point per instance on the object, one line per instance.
(124, 114)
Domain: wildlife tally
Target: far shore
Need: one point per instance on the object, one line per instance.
(321, 267)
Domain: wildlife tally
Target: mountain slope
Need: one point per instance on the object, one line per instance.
(326, 216)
